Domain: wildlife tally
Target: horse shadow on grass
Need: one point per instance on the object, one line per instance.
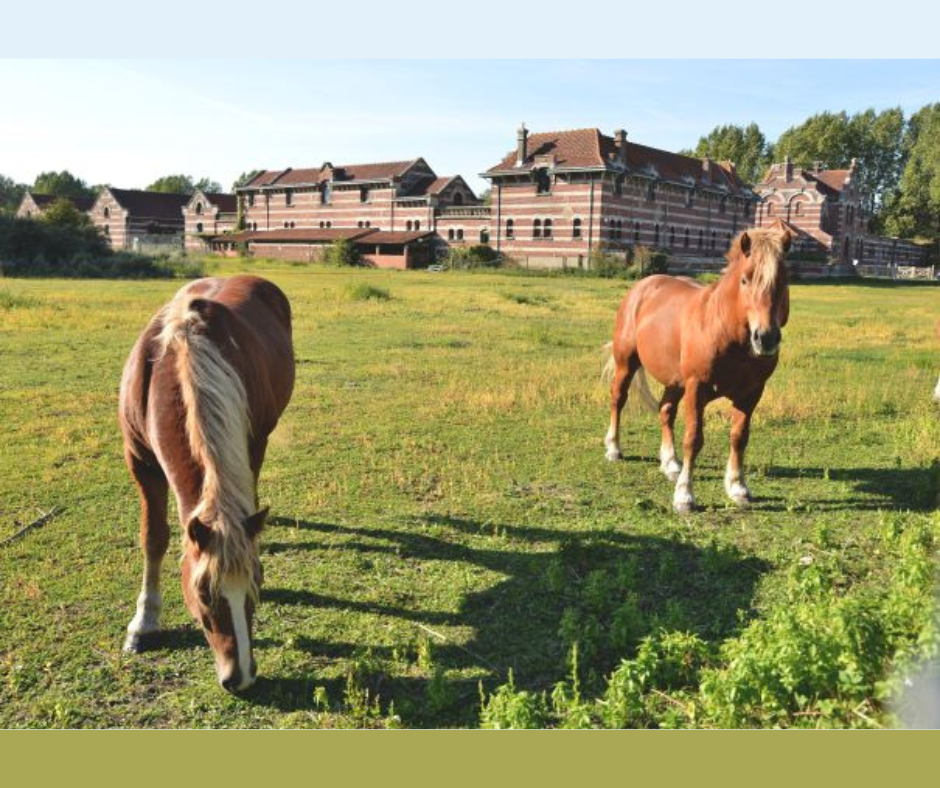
(912, 489)
(605, 590)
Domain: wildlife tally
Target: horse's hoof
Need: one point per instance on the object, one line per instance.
(671, 471)
(613, 455)
(683, 504)
(739, 494)
(741, 501)
(138, 642)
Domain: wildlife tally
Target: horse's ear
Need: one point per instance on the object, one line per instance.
(255, 523)
(199, 532)
(786, 231)
(745, 244)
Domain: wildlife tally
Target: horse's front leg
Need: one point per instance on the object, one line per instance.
(696, 398)
(154, 540)
(741, 412)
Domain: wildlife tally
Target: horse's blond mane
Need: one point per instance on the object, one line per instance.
(217, 427)
(767, 250)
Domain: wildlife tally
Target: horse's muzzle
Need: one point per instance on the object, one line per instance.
(766, 343)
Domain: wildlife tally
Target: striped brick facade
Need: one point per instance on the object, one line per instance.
(827, 208)
(206, 215)
(132, 219)
(561, 194)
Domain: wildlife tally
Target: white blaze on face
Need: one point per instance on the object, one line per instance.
(936, 391)
(236, 595)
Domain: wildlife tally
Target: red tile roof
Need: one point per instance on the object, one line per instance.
(226, 203)
(439, 184)
(151, 205)
(589, 148)
(297, 235)
(80, 203)
(387, 237)
(379, 171)
(834, 179)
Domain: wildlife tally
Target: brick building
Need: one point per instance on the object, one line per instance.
(397, 205)
(559, 195)
(33, 205)
(140, 220)
(206, 215)
(827, 208)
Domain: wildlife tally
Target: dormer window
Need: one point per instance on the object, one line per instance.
(458, 199)
(325, 194)
(251, 200)
(618, 185)
(651, 192)
(199, 209)
(543, 181)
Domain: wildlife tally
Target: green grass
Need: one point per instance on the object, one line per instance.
(362, 291)
(443, 516)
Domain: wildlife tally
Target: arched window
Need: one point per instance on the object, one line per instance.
(288, 198)
(450, 234)
(746, 210)
(368, 223)
(690, 199)
(547, 232)
(510, 227)
(576, 228)
(107, 213)
(672, 236)
(714, 238)
(286, 225)
(543, 183)
(722, 205)
(199, 208)
(322, 225)
(636, 232)
(417, 225)
(251, 200)
(537, 228)
(651, 192)
(701, 238)
(292, 225)
(459, 234)
(329, 225)
(618, 185)
(458, 198)
(409, 225)
(685, 242)
(363, 194)
(359, 224)
(484, 236)
(326, 194)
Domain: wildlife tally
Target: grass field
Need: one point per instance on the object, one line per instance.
(449, 547)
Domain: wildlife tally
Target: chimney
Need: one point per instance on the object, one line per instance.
(522, 139)
(706, 169)
(620, 140)
(788, 169)
(817, 166)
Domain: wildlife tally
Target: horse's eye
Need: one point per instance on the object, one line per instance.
(743, 280)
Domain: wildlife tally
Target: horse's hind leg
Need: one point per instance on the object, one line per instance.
(154, 540)
(619, 387)
(668, 405)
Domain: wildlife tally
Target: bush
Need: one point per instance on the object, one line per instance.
(633, 263)
(467, 257)
(365, 292)
(607, 263)
(342, 253)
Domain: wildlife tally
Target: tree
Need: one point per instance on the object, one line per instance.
(208, 185)
(62, 184)
(746, 147)
(11, 195)
(173, 184)
(245, 178)
(915, 211)
(62, 213)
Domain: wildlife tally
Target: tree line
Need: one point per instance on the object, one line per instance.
(65, 184)
(898, 160)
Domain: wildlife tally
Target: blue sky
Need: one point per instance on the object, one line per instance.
(128, 122)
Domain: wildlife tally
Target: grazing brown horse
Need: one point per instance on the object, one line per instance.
(202, 390)
(704, 343)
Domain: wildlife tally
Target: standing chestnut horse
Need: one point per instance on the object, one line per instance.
(202, 390)
(704, 343)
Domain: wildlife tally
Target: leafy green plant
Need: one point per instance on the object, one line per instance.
(362, 291)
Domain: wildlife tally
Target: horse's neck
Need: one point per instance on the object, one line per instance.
(720, 319)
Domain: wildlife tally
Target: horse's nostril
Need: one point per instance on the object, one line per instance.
(231, 683)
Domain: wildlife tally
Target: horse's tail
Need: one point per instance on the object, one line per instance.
(608, 365)
(639, 384)
(217, 424)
